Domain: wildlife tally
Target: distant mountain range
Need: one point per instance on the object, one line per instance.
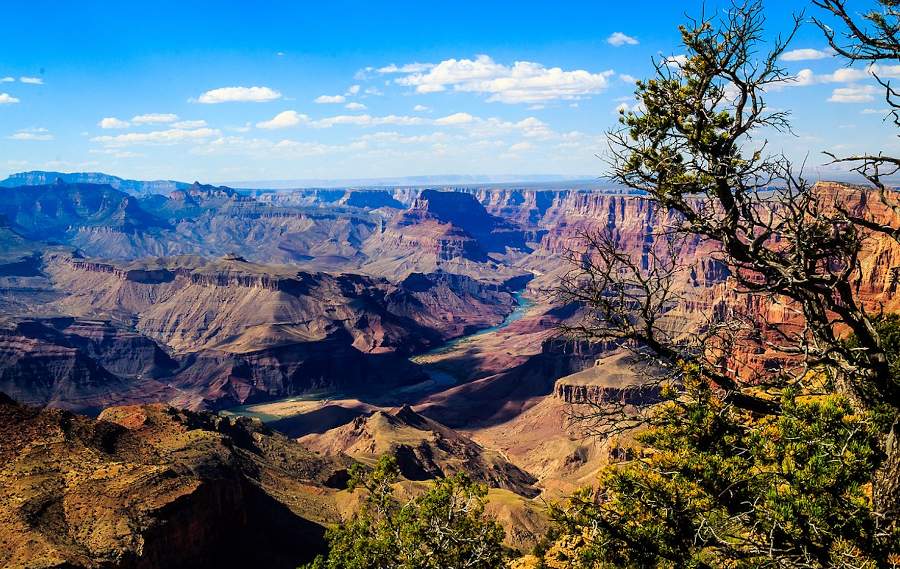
(134, 187)
(138, 187)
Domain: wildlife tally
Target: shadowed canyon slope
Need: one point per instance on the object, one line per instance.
(157, 487)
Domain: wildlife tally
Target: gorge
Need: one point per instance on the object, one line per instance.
(211, 333)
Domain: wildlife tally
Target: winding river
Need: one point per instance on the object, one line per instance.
(438, 379)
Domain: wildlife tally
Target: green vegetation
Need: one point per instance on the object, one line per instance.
(443, 528)
(717, 487)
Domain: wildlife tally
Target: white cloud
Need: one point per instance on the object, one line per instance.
(355, 106)
(806, 77)
(806, 54)
(384, 138)
(31, 80)
(367, 120)
(353, 90)
(170, 136)
(330, 99)
(31, 134)
(874, 111)
(113, 122)
(154, 118)
(408, 68)
(283, 119)
(373, 91)
(189, 124)
(675, 61)
(421, 108)
(456, 118)
(627, 78)
(619, 39)
(7, 99)
(7, 79)
(481, 128)
(853, 94)
(521, 147)
(266, 149)
(115, 153)
(239, 95)
(523, 82)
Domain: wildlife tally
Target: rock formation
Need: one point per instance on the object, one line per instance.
(146, 487)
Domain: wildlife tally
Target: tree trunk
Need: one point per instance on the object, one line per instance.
(886, 487)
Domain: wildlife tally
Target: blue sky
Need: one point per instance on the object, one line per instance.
(290, 90)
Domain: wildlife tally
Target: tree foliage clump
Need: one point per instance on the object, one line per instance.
(717, 488)
(443, 528)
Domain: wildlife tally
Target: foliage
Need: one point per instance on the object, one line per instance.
(719, 488)
(443, 528)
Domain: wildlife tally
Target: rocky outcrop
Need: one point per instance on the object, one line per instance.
(80, 365)
(597, 394)
(152, 487)
(219, 380)
(424, 449)
(238, 306)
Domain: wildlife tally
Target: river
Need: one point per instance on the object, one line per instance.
(438, 379)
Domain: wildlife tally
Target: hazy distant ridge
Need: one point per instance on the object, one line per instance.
(137, 187)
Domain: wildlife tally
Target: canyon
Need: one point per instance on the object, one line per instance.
(215, 359)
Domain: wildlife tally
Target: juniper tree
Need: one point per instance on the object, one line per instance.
(738, 463)
(445, 527)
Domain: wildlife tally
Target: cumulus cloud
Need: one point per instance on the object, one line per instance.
(189, 124)
(154, 118)
(806, 54)
(627, 78)
(421, 108)
(7, 99)
(170, 136)
(853, 94)
(264, 149)
(239, 95)
(408, 68)
(283, 119)
(522, 82)
(32, 134)
(456, 118)
(355, 106)
(521, 147)
(113, 122)
(7, 79)
(483, 128)
(353, 90)
(619, 39)
(31, 80)
(367, 120)
(675, 61)
(807, 77)
(329, 99)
